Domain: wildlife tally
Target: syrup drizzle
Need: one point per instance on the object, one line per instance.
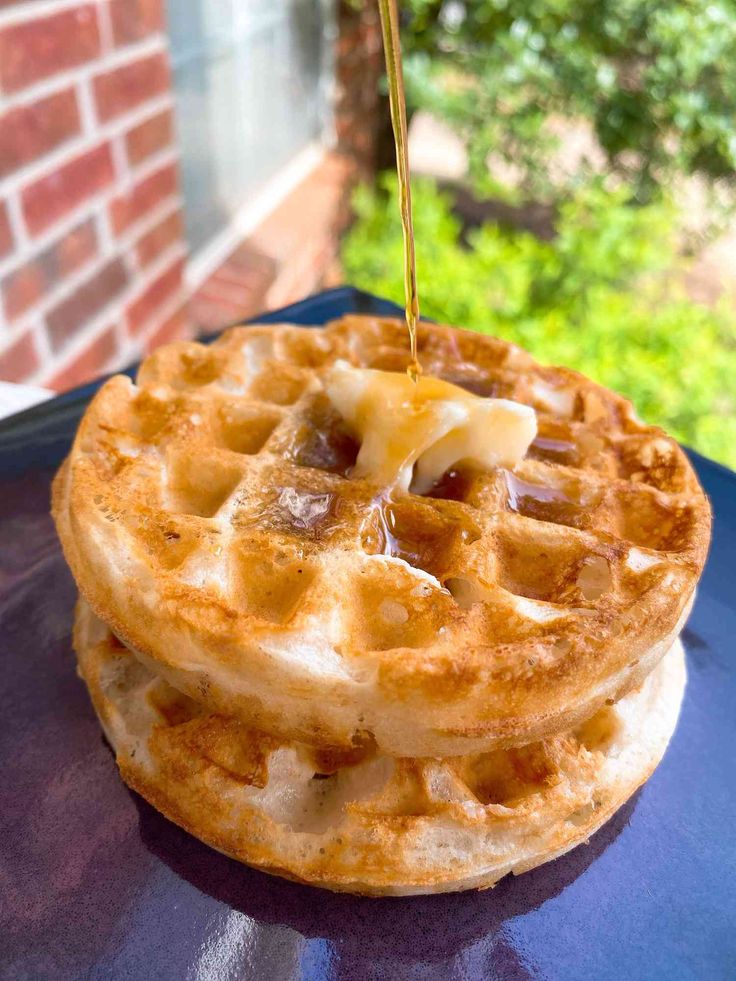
(397, 100)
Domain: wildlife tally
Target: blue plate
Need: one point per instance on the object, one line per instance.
(96, 884)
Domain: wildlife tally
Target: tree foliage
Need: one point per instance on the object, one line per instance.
(655, 79)
(599, 297)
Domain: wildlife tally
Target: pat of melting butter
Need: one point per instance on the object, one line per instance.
(422, 429)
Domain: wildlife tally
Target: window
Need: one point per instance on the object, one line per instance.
(252, 83)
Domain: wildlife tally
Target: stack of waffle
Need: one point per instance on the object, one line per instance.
(371, 689)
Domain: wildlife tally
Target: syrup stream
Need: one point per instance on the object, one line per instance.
(397, 100)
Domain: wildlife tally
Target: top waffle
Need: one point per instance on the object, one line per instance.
(209, 517)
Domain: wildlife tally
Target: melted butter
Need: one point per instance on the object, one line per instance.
(422, 428)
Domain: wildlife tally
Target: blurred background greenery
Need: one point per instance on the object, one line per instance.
(598, 148)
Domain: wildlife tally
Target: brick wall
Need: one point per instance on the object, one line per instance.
(91, 236)
(92, 247)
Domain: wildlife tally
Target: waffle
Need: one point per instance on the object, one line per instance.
(363, 822)
(209, 517)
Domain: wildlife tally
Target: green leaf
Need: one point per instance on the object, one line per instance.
(600, 297)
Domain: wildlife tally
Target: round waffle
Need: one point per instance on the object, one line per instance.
(209, 516)
(368, 823)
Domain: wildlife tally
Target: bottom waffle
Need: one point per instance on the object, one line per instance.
(372, 824)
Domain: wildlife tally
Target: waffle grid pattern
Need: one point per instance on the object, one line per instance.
(230, 472)
(242, 471)
(364, 821)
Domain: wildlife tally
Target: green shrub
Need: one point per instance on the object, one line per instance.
(654, 78)
(601, 298)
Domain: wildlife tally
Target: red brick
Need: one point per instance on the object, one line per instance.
(237, 290)
(125, 88)
(160, 237)
(30, 131)
(71, 314)
(150, 136)
(210, 316)
(19, 360)
(24, 286)
(148, 193)
(173, 329)
(135, 19)
(90, 363)
(53, 196)
(6, 235)
(45, 46)
(141, 310)
(221, 291)
(74, 249)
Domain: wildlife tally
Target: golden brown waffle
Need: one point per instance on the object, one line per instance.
(368, 823)
(209, 517)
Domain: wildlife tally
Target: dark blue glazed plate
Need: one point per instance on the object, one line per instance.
(96, 884)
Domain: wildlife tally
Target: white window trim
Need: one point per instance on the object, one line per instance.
(207, 259)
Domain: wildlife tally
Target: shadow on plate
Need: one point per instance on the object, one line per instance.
(427, 928)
